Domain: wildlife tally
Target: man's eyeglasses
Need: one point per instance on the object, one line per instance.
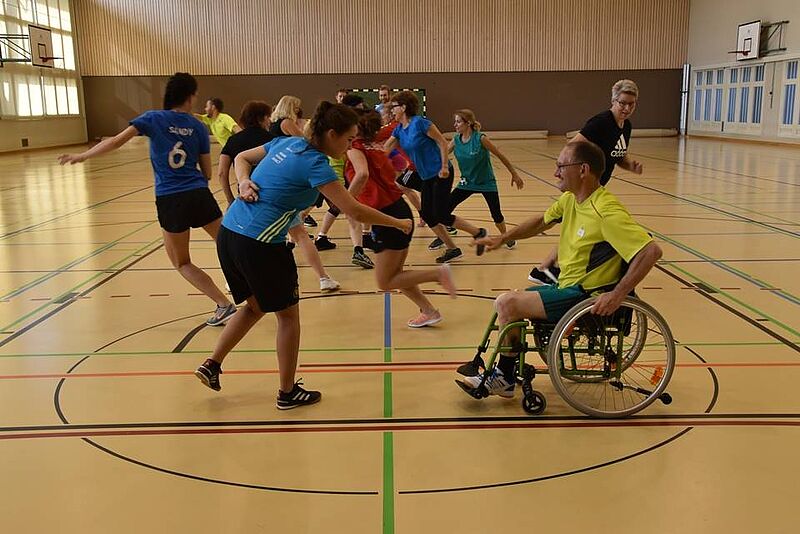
(560, 166)
(628, 105)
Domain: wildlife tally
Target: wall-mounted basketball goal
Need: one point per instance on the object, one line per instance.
(35, 48)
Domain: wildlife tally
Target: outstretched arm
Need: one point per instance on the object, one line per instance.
(103, 147)
(515, 179)
(529, 228)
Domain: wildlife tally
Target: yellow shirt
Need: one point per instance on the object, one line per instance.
(221, 126)
(596, 236)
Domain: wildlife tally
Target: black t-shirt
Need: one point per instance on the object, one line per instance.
(275, 128)
(248, 138)
(603, 131)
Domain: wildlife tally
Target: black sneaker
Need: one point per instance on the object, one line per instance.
(436, 244)
(297, 397)
(309, 221)
(480, 248)
(540, 277)
(451, 230)
(511, 244)
(368, 242)
(208, 373)
(362, 260)
(449, 255)
(323, 243)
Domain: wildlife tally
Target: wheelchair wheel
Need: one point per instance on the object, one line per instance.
(534, 404)
(611, 366)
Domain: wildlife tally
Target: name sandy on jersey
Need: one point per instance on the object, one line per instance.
(181, 131)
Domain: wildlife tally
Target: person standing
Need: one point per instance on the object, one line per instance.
(178, 145)
(221, 125)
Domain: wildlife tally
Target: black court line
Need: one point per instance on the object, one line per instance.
(731, 309)
(83, 293)
(70, 214)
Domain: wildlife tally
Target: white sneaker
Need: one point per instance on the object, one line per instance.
(496, 383)
(328, 284)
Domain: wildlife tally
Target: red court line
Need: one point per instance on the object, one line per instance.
(393, 428)
(365, 368)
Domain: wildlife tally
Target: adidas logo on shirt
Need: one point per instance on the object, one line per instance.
(621, 149)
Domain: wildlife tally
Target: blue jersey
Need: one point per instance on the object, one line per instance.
(287, 179)
(423, 151)
(176, 141)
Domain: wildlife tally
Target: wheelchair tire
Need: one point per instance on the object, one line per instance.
(588, 382)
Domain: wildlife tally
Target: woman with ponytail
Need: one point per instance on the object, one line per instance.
(472, 149)
(178, 145)
(276, 182)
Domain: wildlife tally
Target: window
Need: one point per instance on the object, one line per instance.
(731, 104)
(734, 75)
(718, 105)
(720, 76)
(698, 99)
(28, 91)
(758, 93)
(707, 109)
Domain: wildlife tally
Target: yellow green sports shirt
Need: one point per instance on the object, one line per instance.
(596, 236)
(222, 126)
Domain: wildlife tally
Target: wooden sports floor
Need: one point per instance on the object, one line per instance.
(104, 428)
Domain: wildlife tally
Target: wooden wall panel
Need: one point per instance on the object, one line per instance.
(148, 37)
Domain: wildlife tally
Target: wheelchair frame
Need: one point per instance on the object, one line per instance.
(609, 340)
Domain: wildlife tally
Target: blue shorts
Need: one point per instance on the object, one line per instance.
(557, 301)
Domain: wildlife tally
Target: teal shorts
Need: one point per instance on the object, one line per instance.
(558, 301)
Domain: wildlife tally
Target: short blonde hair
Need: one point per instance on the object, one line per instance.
(468, 116)
(285, 108)
(624, 86)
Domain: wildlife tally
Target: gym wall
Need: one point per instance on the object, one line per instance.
(520, 64)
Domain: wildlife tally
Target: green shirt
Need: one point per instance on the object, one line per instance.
(596, 236)
(221, 126)
(338, 167)
(474, 163)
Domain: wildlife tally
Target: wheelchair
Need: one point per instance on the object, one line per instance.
(607, 367)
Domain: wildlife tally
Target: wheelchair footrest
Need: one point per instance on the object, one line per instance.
(479, 392)
(472, 368)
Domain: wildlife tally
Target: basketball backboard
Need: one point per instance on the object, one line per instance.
(41, 40)
(748, 40)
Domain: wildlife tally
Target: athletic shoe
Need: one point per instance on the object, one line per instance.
(449, 255)
(540, 277)
(297, 397)
(362, 260)
(222, 315)
(323, 243)
(309, 221)
(424, 319)
(496, 383)
(511, 244)
(446, 280)
(368, 242)
(451, 230)
(480, 248)
(436, 244)
(209, 376)
(327, 284)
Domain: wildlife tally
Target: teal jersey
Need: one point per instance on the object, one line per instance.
(475, 164)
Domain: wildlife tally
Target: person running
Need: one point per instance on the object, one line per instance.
(221, 125)
(178, 144)
(255, 119)
(259, 267)
(427, 149)
(372, 182)
(472, 149)
(611, 131)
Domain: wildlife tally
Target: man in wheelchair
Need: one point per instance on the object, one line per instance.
(597, 236)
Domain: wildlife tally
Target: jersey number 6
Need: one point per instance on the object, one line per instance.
(177, 156)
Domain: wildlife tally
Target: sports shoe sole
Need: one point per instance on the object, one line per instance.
(204, 379)
(363, 264)
(298, 405)
(429, 322)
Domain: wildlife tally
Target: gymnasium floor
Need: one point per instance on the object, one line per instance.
(104, 428)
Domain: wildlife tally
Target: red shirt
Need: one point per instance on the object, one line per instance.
(380, 189)
(399, 159)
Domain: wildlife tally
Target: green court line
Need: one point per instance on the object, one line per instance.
(739, 302)
(69, 265)
(72, 289)
(724, 266)
(739, 207)
(388, 483)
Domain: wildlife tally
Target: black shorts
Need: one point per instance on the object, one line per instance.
(390, 238)
(188, 209)
(266, 271)
(410, 179)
